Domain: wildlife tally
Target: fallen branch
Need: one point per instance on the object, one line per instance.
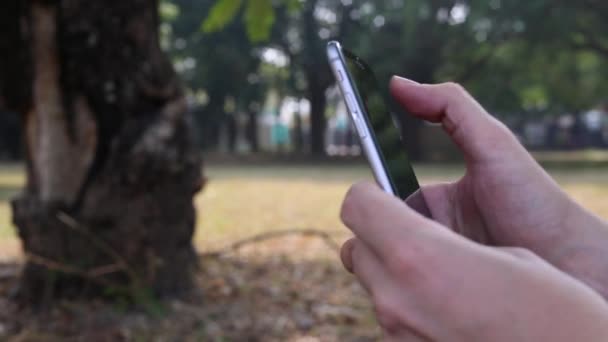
(120, 264)
(273, 235)
(92, 275)
(53, 265)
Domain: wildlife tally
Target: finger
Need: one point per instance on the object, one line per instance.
(346, 255)
(459, 216)
(404, 336)
(477, 133)
(369, 270)
(520, 253)
(386, 224)
(417, 202)
(375, 279)
(438, 198)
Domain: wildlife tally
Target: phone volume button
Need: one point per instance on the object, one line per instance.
(350, 101)
(359, 124)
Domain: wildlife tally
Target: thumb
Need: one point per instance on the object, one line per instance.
(386, 224)
(480, 136)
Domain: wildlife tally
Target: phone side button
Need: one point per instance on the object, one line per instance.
(350, 101)
(340, 76)
(360, 126)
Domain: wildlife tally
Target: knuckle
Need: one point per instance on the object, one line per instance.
(500, 128)
(524, 253)
(500, 135)
(408, 260)
(454, 88)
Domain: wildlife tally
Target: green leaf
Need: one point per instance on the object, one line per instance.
(221, 14)
(259, 18)
(168, 11)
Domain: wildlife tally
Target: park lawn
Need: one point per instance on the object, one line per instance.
(11, 180)
(249, 200)
(241, 201)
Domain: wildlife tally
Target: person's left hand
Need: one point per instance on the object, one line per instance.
(428, 283)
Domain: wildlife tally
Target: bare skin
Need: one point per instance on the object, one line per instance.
(494, 275)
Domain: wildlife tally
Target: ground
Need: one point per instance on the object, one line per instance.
(287, 288)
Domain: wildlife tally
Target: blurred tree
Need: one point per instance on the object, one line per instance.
(220, 68)
(543, 61)
(309, 56)
(111, 167)
(303, 30)
(258, 17)
(415, 39)
(515, 56)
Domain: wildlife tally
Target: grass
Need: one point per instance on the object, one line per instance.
(241, 201)
(12, 179)
(244, 201)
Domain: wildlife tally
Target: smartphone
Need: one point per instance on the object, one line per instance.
(379, 136)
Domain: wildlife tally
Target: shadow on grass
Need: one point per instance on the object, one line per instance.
(241, 298)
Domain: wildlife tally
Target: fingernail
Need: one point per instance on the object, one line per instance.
(400, 79)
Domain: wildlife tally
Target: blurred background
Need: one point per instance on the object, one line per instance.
(279, 151)
(264, 86)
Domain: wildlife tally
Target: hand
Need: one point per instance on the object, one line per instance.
(429, 284)
(505, 198)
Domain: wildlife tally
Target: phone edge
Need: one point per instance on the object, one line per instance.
(346, 86)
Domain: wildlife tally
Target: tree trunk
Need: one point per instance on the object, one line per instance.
(318, 103)
(231, 126)
(252, 131)
(318, 76)
(298, 133)
(112, 167)
(210, 120)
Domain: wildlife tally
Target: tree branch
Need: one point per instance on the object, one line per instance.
(93, 274)
(273, 235)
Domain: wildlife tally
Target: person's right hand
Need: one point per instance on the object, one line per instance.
(505, 198)
(429, 284)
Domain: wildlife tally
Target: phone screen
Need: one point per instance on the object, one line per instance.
(385, 133)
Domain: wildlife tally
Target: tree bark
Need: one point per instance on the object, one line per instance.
(112, 167)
